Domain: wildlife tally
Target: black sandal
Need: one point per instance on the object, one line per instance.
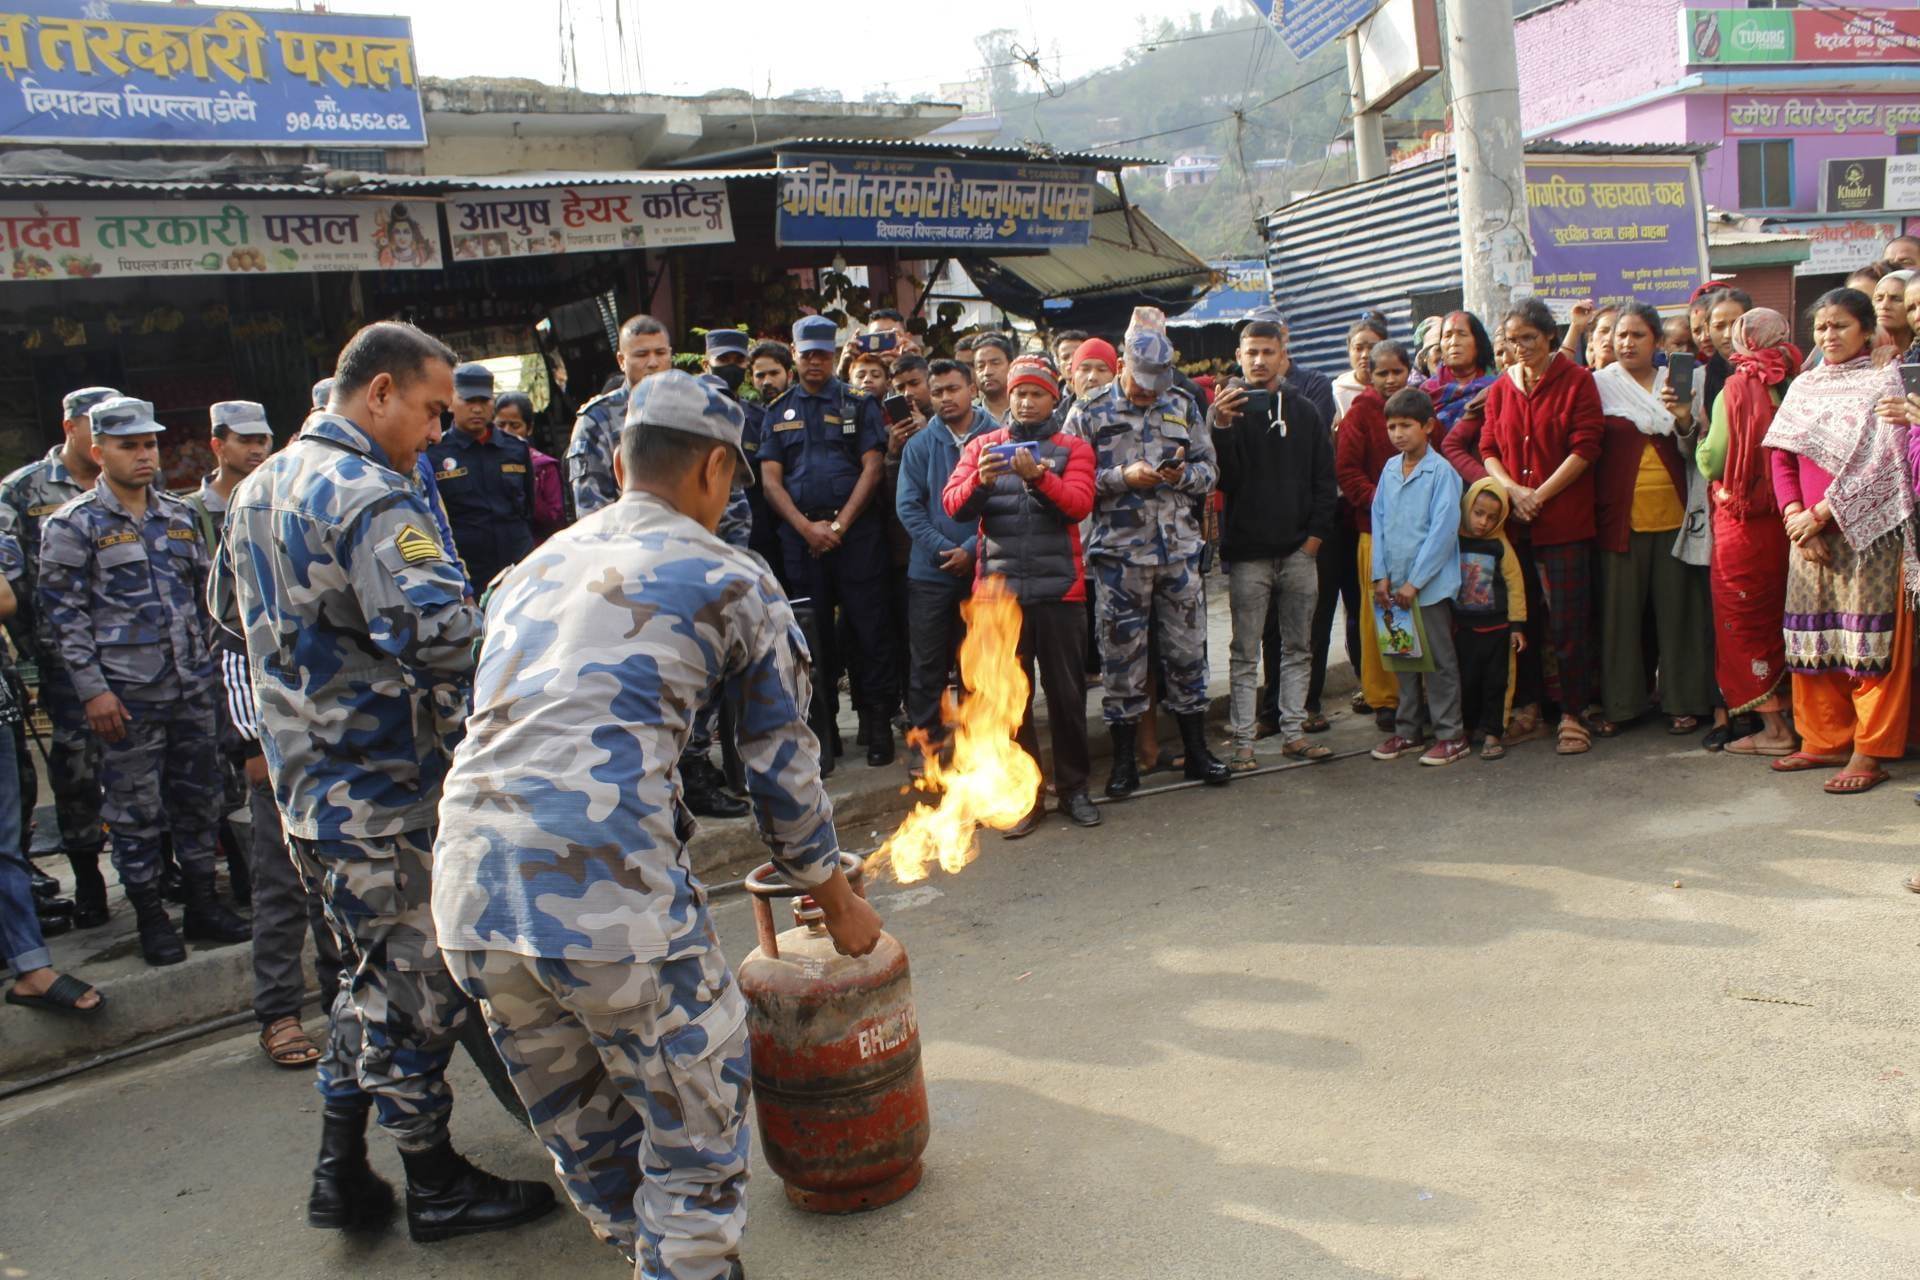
(63, 996)
(1316, 723)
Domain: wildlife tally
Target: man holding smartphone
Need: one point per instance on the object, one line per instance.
(1276, 470)
(1153, 456)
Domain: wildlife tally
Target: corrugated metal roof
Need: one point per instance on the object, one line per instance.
(533, 181)
(1337, 254)
(1125, 262)
(343, 184)
(931, 150)
(126, 186)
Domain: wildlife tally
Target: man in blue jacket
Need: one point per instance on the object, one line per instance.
(940, 567)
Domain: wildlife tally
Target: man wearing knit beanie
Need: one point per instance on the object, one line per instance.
(1153, 456)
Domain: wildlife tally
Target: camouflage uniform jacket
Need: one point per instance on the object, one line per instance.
(30, 495)
(358, 636)
(1144, 525)
(596, 438)
(563, 831)
(121, 596)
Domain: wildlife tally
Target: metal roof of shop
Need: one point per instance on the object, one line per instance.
(557, 178)
(925, 149)
(130, 186)
(346, 184)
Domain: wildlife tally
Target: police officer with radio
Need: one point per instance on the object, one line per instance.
(822, 453)
(485, 479)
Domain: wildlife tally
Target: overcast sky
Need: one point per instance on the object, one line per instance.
(912, 46)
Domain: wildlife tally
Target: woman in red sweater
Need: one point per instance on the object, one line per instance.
(1541, 437)
(1360, 452)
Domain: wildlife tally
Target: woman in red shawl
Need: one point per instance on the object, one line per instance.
(1750, 547)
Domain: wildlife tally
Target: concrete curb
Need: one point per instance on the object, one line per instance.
(217, 982)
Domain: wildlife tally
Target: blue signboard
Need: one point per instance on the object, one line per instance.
(1305, 26)
(1242, 289)
(829, 201)
(92, 71)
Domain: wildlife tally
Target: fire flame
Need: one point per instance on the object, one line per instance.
(987, 780)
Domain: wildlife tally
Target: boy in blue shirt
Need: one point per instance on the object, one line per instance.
(1416, 566)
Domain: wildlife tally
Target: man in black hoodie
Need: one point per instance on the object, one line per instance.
(1276, 470)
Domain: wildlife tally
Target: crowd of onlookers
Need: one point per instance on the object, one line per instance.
(1542, 528)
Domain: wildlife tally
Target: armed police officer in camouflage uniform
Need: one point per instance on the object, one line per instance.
(644, 349)
(33, 493)
(123, 571)
(1152, 457)
(359, 641)
(562, 888)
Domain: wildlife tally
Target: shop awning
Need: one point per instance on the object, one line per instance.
(1129, 261)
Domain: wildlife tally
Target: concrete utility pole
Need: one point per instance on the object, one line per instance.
(1496, 258)
(1369, 138)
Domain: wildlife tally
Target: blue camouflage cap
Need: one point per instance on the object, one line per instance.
(123, 416)
(1266, 315)
(722, 342)
(76, 403)
(815, 333)
(473, 382)
(699, 406)
(240, 418)
(1149, 358)
(322, 392)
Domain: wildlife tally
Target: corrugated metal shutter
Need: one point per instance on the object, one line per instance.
(1337, 254)
(1769, 287)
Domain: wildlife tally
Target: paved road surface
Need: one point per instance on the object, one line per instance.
(1363, 1020)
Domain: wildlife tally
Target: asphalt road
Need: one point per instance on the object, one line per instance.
(1362, 1020)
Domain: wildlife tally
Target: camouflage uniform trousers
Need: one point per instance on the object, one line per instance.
(163, 774)
(636, 1078)
(1170, 600)
(73, 763)
(397, 1015)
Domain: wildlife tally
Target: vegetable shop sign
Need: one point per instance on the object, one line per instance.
(1615, 231)
(828, 201)
(90, 71)
(524, 224)
(82, 241)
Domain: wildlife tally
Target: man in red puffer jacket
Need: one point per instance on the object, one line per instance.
(1030, 485)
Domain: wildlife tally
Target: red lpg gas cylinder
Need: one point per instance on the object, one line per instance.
(836, 1058)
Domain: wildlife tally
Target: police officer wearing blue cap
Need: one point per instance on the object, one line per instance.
(123, 572)
(485, 479)
(822, 454)
(30, 495)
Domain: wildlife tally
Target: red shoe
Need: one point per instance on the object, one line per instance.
(1446, 751)
(1395, 747)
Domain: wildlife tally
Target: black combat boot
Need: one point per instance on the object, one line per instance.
(1202, 765)
(1124, 780)
(1080, 810)
(207, 918)
(89, 890)
(45, 887)
(159, 941)
(447, 1197)
(346, 1194)
(702, 784)
(879, 726)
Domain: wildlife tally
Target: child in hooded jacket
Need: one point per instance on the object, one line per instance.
(1489, 613)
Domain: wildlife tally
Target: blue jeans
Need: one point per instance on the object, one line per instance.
(20, 939)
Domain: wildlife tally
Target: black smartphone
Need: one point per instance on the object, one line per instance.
(1680, 374)
(879, 341)
(1258, 405)
(897, 408)
(1910, 378)
(1171, 457)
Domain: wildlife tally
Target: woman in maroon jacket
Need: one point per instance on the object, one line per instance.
(1542, 434)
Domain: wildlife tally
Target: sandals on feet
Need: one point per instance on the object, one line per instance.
(1301, 749)
(1684, 725)
(1493, 749)
(1853, 784)
(1574, 739)
(286, 1044)
(64, 996)
(1801, 761)
(1746, 747)
(1246, 763)
(1316, 723)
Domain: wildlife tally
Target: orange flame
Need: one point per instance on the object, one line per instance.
(988, 780)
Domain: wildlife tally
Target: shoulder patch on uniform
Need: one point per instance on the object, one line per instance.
(414, 546)
(184, 535)
(790, 424)
(513, 468)
(44, 509)
(106, 540)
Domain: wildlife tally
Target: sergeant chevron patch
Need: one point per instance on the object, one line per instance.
(414, 546)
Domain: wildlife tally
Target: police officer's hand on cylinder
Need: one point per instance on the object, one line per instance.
(851, 920)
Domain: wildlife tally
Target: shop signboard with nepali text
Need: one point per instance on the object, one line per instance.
(1870, 184)
(829, 201)
(84, 240)
(522, 224)
(90, 71)
(1614, 230)
(1824, 34)
(1776, 115)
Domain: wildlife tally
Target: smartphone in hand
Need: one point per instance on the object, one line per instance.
(1910, 378)
(897, 408)
(1680, 374)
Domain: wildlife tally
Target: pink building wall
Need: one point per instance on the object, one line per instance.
(1582, 56)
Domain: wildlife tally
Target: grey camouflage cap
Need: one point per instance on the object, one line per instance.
(76, 403)
(1149, 360)
(681, 402)
(240, 418)
(123, 416)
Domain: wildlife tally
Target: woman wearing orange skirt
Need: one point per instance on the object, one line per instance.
(1845, 490)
